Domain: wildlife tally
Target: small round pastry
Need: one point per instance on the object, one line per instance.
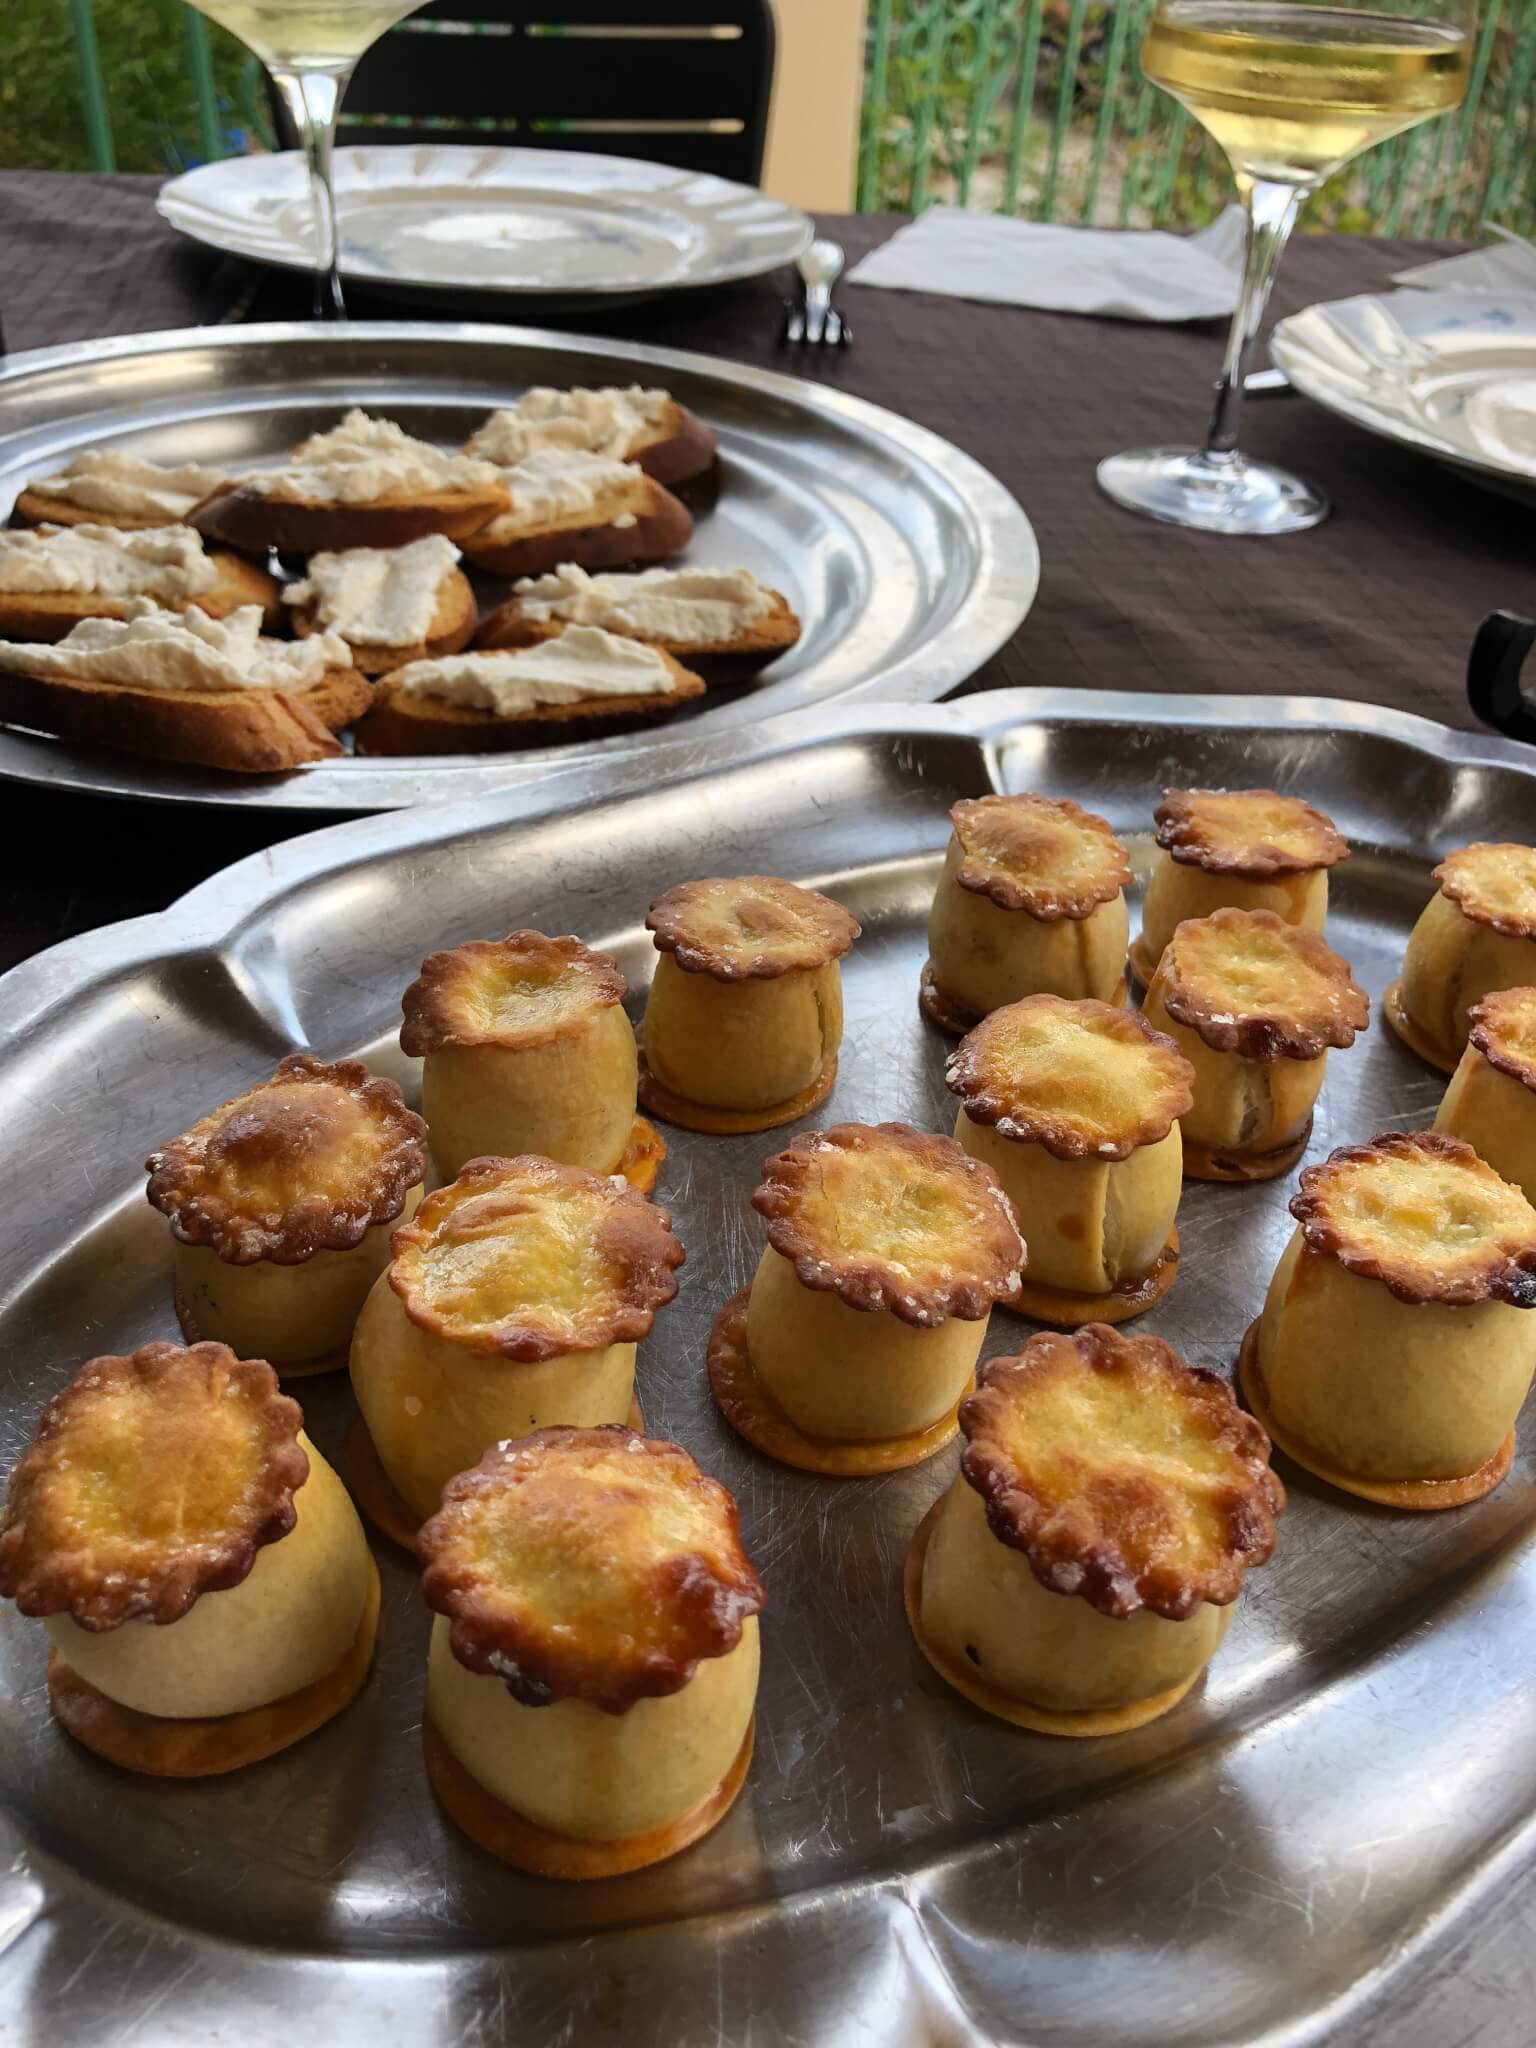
(1253, 1003)
(1491, 1102)
(1395, 1351)
(281, 1202)
(1252, 849)
(1079, 1574)
(1075, 1107)
(515, 1299)
(860, 1332)
(593, 1668)
(208, 1592)
(745, 1014)
(1030, 902)
(526, 1048)
(1477, 935)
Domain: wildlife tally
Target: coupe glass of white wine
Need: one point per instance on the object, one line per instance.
(311, 47)
(1291, 92)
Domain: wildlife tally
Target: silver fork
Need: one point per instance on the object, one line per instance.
(817, 322)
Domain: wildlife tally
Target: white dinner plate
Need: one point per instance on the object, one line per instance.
(451, 217)
(1450, 372)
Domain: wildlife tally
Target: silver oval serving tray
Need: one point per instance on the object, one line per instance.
(908, 562)
(1331, 1841)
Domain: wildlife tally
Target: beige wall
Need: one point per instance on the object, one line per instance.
(813, 131)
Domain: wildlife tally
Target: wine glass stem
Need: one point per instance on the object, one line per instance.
(312, 99)
(1272, 211)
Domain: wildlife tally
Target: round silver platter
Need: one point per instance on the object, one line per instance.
(908, 562)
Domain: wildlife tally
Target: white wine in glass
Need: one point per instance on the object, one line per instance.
(1291, 93)
(310, 47)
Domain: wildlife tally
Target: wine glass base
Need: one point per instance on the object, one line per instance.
(1216, 494)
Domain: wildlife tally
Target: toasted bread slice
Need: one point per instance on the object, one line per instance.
(403, 724)
(680, 449)
(453, 627)
(508, 626)
(637, 520)
(33, 508)
(49, 615)
(256, 521)
(674, 446)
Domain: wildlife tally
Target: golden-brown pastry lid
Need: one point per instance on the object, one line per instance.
(888, 1217)
(594, 1260)
(1125, 1476)
(1494, 883)
(1423, 1214)
(1257, 834)
(153, 1478)
(1504, 1032)
(749, 927)
(588, 1564)
(1043, 855)
(308, 1161)
(1246, 982)
(520, 992)
(1084, 1079)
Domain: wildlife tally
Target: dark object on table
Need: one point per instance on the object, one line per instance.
(624, 77)
(1494, 689)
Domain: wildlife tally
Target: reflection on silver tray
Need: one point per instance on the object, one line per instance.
(1330, 1841)
(908, 562)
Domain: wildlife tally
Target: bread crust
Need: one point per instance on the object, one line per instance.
(46, 616)
(681, 449)
(1230, 832)
(1013, 850)
(438, 1014)
(1322, 1005)
(398, 724)
(452, 628)
(54, 1561)
(1470, 877)
(1094, 1534)
(507, 627)
(1504, 1032)
(801, 929)
(256, 521)
(979, 1266)
(660, 525)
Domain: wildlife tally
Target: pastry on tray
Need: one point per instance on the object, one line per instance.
(1075, 1106)
(180, 686)
(515, 1298)
(109, 487)
(1477, 935)
(1254, 1004)
(363, 484)
(52, 577)
(281, 1203)
(1080, 1572)
(860, 1332)
(390, 605)
(745, 1012)
(1397, 1345)
(594, 1657)
(1491, 1102)
(719, 623)
(647, 428)
(479, 703)
(526, 1048)
(567, 507)
(208, 1592)
(1253, 849)
(1030, 902)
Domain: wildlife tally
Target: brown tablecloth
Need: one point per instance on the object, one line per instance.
(1379, 603)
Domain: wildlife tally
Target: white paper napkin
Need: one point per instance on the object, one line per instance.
(1128, 274)
(1501, 267)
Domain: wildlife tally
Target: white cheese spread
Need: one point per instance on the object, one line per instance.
(108, 480)
(166, 563)
(582, 663)
(377, 597)
(365, 459)
(608, 422)
(679, 607)
(558, 484)
(152, 649)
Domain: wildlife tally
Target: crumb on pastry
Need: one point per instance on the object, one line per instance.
(588, 1564)
(1246, 982)
(1043, 855)
(1122, 1474)
(1494, 884)
(1504, 1032)
(1255, 833)
(749, 927)
(522, 991)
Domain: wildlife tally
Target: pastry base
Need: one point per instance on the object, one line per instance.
(373, 1491)
(1217, 1162)
(162, 1747)
(1387, 1493)
(295, 1369)
(503, 1832)
(642, 1157)
(1409, 1032)
(754, 1414)
(1039, 1720)
(729, 1123)
(1140, 965)
(1131, 1298)
(955, 1019)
